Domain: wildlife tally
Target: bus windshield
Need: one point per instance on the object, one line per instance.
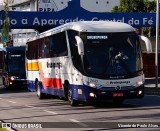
(16, 63)
(111, 54)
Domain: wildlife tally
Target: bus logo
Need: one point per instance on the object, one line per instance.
(118, 88)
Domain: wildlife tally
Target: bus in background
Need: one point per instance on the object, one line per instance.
(87, 61)
(14, 71)
(2, 54)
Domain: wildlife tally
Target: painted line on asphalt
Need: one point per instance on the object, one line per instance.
(73, 120)
(11, 101)
(78, 122)
(29, 106)
(51, 112)
(153, 95)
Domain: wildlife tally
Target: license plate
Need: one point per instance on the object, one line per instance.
(117, 94)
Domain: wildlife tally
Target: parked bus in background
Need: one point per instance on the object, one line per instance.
(87, 61)
(2, 54)
(14, 73)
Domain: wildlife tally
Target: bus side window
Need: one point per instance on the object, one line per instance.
(74, 50)
(29, 51)
(35, 51)
(46, 48)
(59, 45)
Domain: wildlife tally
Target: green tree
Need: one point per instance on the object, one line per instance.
(150, 6)
(6, 26)
(138, 6)
(135, 6)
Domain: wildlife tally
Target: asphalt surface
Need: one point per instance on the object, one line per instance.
(23, 106)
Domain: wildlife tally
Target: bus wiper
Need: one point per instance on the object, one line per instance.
(111, 56)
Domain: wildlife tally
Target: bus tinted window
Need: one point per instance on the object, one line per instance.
(58, 45)
(51, 46)
(16, 62)
(74, 50)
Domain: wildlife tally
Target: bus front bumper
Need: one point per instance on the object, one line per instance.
(103, 95)
(18, 83)
(86, 93)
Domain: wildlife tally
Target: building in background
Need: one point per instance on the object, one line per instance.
(52, 5)
(23, 5)
(20, 36)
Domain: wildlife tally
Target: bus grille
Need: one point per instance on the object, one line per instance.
(114, 88)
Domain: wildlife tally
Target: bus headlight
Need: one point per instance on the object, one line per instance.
(13, 78)
(91, 94)
(92, 84)
(140, 92)
(140, 82)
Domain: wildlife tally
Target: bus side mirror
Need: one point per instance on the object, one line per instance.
(80, 45)
(148, 43)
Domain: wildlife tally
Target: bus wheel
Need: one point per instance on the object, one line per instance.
(40, 95)
(72, 102)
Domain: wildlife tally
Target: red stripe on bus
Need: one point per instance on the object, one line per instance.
(52, 82)
(49, 82)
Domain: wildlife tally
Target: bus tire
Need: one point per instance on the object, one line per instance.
(66, 85)
(40, 95)
(71, 101)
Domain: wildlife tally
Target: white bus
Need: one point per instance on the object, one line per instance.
(87, 61)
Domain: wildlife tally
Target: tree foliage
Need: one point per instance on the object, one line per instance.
(135, 6)
(6, 25)
(138, 6)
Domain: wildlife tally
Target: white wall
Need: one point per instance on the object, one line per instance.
(52, 5)
(99, 5)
